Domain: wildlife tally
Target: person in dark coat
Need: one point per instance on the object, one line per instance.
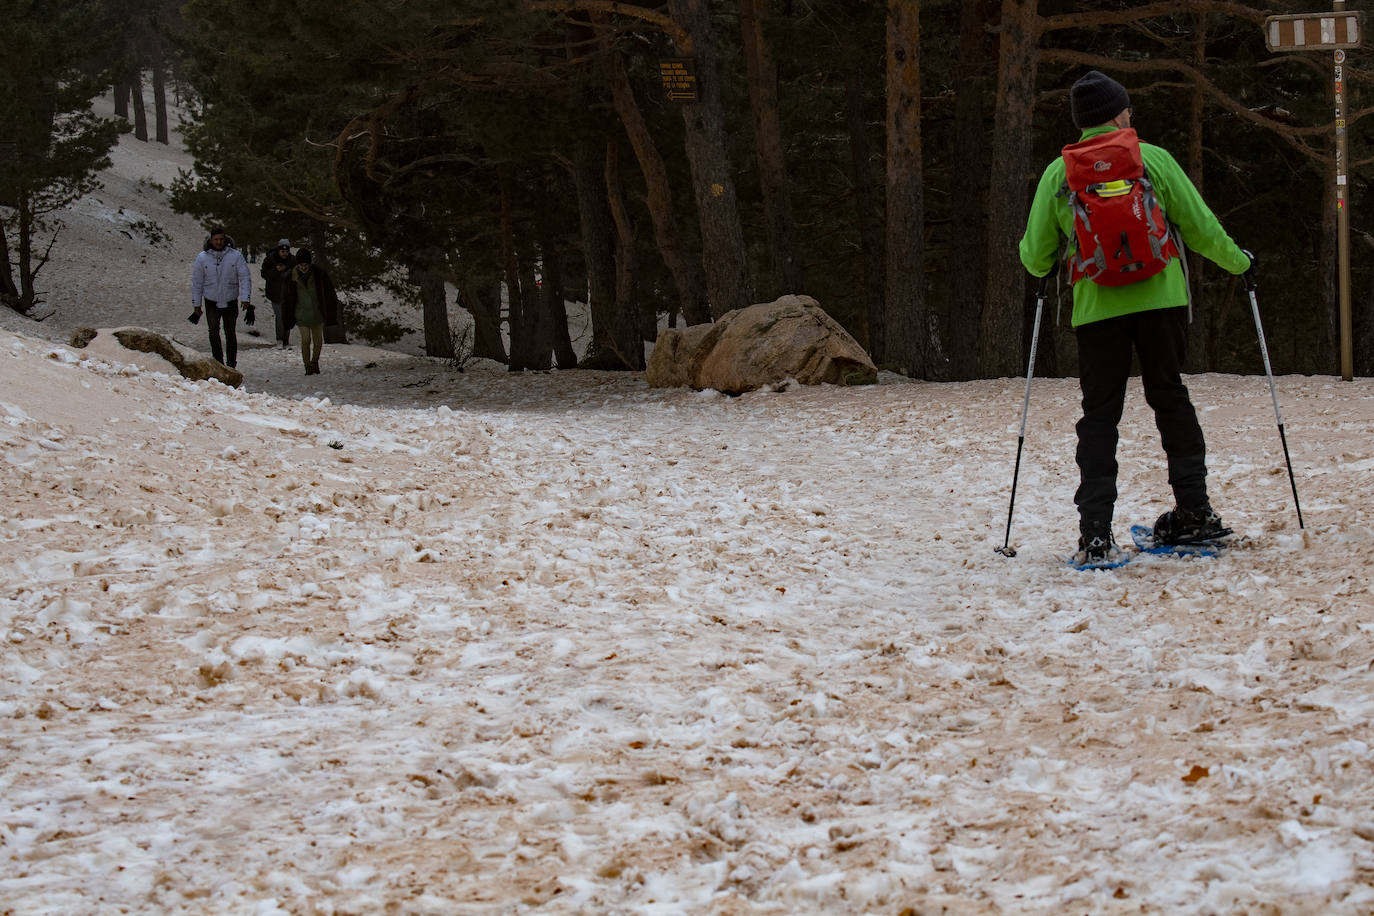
(276, 267)
(310, 304)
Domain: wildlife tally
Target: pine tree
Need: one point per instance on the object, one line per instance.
(57, 59)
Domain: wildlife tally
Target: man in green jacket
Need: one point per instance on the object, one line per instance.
(1149, 316)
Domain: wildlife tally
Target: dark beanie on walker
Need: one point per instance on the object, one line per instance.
(1097, 98)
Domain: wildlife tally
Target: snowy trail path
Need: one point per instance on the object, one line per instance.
(561, 643)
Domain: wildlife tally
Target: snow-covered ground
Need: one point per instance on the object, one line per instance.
(399, 639)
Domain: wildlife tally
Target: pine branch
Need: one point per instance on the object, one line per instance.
(660, 19)
(1294, 136)
(1150, 11)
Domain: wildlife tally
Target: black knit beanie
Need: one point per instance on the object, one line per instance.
(303, 256)
(1097, 98)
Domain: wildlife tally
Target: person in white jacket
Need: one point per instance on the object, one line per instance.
(221, 280)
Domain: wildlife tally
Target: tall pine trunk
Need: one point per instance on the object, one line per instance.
(26, 295)
(434, 304)
(686, 273)
(610, 343)
(598, 248)
(484, 305)
(596, 228)
(555, 305)
(121, 99)
(140, 112)
(762, 72)
(973, 83)
(630, 317)
(538, 332)
(159, 66)
(713, 184)
(867, 206)
(1006, 305)
(9, 292)
(1324, 355)
(1202, 332)
(909, 342)
(1363, 319)
(515, 313)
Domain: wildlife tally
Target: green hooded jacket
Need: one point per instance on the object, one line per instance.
(1051, 221)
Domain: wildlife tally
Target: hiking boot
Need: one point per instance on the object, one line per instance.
(1189, 526)
(1095, 544)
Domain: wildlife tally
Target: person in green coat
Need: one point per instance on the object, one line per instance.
(1149, 317)
(310, 303)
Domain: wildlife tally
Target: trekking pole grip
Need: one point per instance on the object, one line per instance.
(1249, 275)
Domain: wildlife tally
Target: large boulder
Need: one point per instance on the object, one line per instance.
(185, 361)
(761, 345)
(672, 364)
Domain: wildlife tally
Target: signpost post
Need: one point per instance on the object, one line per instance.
(1334, 31)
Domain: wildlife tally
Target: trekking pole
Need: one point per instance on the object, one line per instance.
(1273, 392)
(1006, 549)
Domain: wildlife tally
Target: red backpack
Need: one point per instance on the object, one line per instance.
(1119, 228)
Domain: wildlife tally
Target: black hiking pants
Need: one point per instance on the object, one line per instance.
(1159, 339)
(279, 313)
(229, 316)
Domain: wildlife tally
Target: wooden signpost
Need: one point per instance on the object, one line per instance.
(1333, 31)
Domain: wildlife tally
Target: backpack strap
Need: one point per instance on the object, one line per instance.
(1071, 242)
(1098, 257)
(1183, 260)
(1147, 193)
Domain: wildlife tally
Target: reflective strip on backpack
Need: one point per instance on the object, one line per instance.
(1118, 188)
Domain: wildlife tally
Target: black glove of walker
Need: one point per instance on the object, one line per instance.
(1249, 274)
(1043, 283)
(248, 315)
(194, 317)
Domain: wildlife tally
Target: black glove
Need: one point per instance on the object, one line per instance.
(1043, 285)
(194, 317)
(248, 316)
(1249, 275)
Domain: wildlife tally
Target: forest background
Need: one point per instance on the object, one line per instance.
(505, 157)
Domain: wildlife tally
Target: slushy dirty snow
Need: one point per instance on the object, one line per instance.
(394, 639)
(562, 643)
